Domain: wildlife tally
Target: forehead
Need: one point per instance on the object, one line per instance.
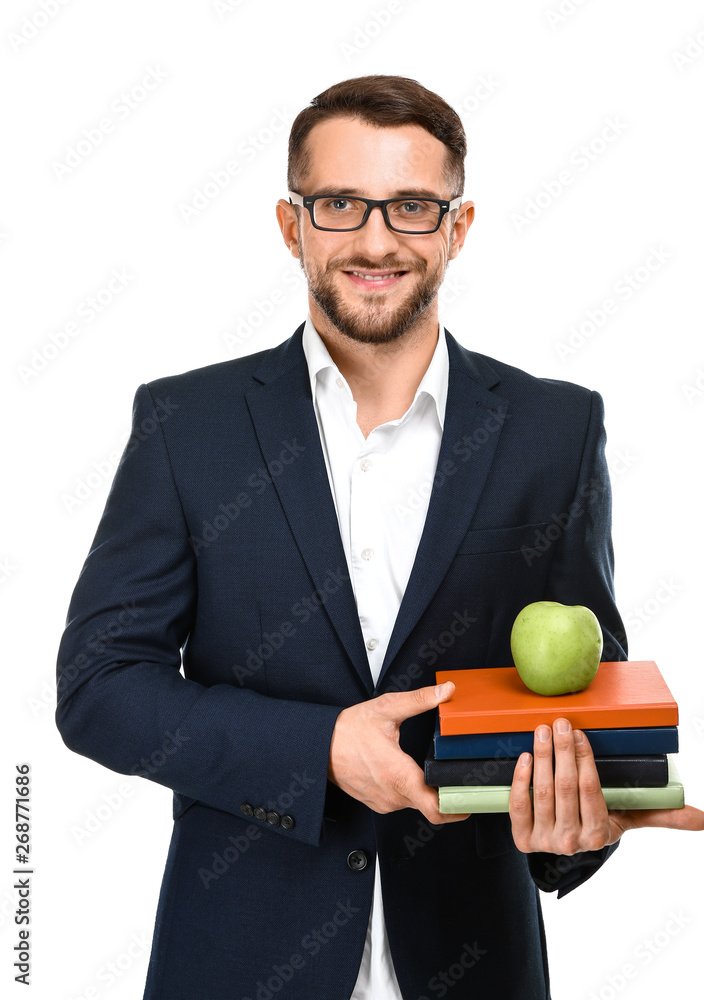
(348, 154)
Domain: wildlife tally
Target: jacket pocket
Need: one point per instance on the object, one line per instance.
(512, 539)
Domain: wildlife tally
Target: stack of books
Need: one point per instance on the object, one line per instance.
(627, 713)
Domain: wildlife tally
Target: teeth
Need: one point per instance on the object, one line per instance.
(377, 277)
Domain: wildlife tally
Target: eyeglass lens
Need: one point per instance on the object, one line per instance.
(406, 215)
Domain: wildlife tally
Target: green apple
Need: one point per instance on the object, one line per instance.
(556, 647)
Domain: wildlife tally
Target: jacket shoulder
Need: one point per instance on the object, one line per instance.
(538, 398)
(202, 383)
(518, 381)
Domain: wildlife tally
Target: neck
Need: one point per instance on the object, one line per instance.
(383, 378)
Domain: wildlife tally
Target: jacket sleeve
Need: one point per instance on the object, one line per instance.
(122, 699)
(581, 572)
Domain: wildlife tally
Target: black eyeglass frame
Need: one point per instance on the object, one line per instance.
(308, 201)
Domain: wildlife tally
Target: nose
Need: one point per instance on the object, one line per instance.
(375, 239)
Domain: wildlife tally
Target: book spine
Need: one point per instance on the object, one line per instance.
(616, 717)
(617, 772)
(604, 743)
(495, 798)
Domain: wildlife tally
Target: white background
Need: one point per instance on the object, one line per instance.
(532, 88)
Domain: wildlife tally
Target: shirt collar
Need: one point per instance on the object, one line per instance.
(433, 383)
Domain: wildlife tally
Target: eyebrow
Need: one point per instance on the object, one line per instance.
(356, 192)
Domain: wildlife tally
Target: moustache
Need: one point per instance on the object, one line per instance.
(358, 264)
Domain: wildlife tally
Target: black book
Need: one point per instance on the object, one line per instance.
(638, 771)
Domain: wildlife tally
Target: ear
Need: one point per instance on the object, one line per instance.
(288, 223)
(465, 218)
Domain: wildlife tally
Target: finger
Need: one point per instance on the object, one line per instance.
(520, 807)
(543, 788)
(567, 818)
(399, 705)
(596, 826)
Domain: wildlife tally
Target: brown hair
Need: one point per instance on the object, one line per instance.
(384, 101)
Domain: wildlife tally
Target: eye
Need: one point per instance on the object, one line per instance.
(336, 205)
(416, 208)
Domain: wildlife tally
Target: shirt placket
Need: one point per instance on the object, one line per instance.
(368, 546)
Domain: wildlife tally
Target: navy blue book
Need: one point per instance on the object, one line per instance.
(633, 771)
(604, 742)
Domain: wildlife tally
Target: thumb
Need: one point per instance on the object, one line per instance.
(400, 705)
(687, 818)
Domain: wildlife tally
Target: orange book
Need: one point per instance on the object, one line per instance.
(495, 700)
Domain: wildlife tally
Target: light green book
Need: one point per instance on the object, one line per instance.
(494, 798)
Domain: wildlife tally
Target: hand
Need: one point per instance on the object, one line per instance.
(367, 762)
(569, 813)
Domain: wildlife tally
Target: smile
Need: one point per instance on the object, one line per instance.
(371, 279)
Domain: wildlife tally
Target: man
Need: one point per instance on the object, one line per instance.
(318, 527)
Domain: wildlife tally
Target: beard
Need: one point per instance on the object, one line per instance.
(372, 321)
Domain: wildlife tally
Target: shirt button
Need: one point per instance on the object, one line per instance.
(365, 464)
(372, 643)
(367, 554)
(357, 861)
(339, 383)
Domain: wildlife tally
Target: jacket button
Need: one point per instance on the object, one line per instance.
(273, 818)
(260, 813)
(247, 809)
(287, 822)
(357, 861)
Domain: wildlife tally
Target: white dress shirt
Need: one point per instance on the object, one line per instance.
(381, 486)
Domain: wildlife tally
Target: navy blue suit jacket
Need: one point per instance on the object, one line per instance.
(219, 549)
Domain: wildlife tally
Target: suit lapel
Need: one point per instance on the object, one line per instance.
(474, 418)
(282, 410)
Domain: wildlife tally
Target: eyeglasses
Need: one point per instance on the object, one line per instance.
(338, 213)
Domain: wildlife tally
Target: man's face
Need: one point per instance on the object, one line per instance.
(351, 157)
